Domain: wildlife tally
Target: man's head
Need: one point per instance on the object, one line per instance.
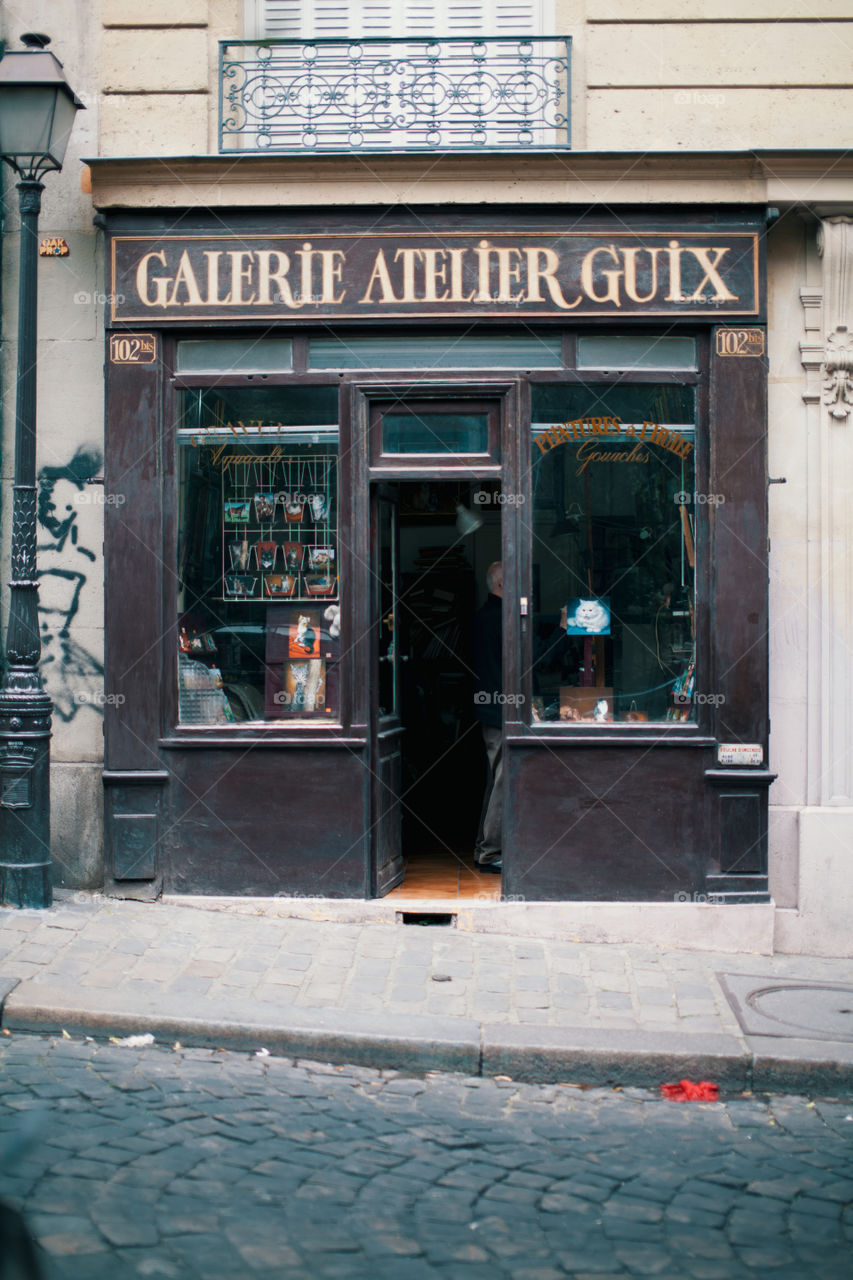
(495, 578)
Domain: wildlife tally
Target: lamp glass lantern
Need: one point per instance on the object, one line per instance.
(37, 110)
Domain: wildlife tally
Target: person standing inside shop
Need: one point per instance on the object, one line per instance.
(488, 684)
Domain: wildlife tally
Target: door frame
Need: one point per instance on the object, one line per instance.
(504, 396)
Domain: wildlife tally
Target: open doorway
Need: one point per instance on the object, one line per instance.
(449, 533)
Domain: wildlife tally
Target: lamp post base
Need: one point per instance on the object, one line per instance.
(25, 867)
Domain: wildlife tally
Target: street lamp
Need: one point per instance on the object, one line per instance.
(37, 110)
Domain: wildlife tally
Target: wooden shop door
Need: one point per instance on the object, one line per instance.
(386, 729)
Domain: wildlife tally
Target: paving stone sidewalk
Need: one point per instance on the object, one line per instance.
(408, 996)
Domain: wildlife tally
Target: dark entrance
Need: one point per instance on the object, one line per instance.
(433, 542)
(448, 537)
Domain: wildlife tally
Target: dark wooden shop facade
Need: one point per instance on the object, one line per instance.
(651, 325)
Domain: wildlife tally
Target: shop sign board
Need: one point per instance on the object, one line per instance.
(180, 278)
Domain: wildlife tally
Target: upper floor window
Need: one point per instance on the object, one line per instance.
(377, 75)
(283, 19)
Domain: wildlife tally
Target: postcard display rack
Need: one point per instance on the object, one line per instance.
(279, 529)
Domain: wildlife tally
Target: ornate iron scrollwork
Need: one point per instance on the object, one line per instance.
(394, 95)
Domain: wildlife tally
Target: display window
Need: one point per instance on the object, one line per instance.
(258, 570)
(613, 529)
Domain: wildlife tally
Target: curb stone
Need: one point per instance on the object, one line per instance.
(419, 1043)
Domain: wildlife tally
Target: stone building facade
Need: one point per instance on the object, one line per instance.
(682, 118)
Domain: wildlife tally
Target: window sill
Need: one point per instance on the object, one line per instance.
(612, 734)
(259, 734)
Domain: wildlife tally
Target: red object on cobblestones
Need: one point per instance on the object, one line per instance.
(687, 1091)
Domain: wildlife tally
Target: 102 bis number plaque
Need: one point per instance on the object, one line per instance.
(133, 348)
(740, 342)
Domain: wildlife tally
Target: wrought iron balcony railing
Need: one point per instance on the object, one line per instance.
(476, 94)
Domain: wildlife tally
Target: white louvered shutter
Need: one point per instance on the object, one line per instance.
(315, 18)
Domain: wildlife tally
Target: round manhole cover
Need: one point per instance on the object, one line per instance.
(825, 1010)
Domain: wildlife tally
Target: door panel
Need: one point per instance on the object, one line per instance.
(386, 855)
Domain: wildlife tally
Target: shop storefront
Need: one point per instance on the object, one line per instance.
(323, 434)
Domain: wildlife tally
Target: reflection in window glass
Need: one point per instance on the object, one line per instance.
(613, 553)
(258, 560)
(235, 355)
(637, 351)
(437, 351)
(435, 432)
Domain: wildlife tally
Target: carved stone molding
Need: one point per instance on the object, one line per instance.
(835, 246)
(838, 373)
(812, 350)
(812, 300)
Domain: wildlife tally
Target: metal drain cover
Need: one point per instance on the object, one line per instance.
(790, 1007)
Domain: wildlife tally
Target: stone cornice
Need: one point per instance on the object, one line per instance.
(818, 181)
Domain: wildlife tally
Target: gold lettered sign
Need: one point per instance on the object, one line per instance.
(740, 342)
(133, 348)
(180, 278)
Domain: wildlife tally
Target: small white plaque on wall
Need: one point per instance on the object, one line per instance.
(746, 753)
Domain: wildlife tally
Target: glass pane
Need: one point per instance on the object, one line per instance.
(435, 433)
(640, 351)
(312, 411)
(235, 355)
(258, 582)
(430, 351)
(614, 554)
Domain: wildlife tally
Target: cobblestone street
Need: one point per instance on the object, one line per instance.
(196, 1163)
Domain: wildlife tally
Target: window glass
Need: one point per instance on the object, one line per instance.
(425, 432)
(640, 351)
(258, 558)
(235, 355)
(430, 351)
(613, 533)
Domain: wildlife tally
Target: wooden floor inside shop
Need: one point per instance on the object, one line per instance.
(444, 875)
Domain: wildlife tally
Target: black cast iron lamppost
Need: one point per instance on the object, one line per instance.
(37, 110)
